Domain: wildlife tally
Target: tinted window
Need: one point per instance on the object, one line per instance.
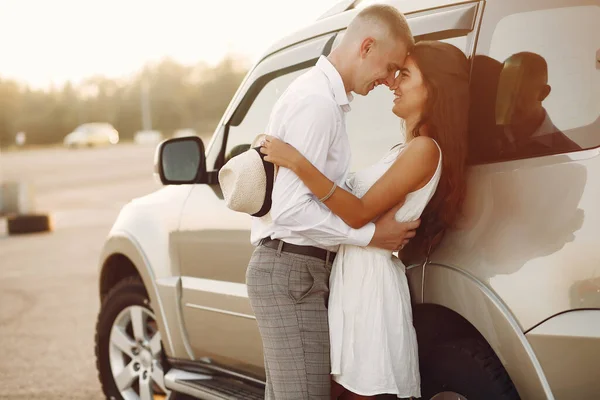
(372, 127)
(255, 121)
(537, 91)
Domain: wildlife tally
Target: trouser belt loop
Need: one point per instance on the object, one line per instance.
(327, 257)
(280, 248)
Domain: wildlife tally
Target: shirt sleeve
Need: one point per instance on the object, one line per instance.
(311, 126)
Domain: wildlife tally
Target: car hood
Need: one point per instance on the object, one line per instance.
(161, 208)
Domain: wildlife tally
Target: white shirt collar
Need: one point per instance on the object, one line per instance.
(336, 83)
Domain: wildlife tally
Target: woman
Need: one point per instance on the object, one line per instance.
(373, 342)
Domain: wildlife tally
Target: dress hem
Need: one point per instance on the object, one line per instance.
(410, 393)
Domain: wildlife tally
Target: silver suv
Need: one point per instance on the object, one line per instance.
(507, 307)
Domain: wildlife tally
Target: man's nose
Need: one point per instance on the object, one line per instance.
(389, 81)
(394, 85)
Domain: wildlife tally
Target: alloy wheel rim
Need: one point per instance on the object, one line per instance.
(135, 352)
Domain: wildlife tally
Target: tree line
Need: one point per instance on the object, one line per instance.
(179, 97)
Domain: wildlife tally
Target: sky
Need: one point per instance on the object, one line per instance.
(45, 42)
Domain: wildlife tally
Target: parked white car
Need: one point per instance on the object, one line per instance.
(92, 134)
(507, 307)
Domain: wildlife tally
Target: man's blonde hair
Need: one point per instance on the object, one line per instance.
(381, 20)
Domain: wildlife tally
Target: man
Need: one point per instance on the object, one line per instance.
(288, 274)
(529, 130)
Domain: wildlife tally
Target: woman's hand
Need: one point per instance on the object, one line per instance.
(280, 153)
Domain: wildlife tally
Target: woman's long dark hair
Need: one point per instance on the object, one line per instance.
(445, 71)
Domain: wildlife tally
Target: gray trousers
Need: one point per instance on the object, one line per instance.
(289, 294)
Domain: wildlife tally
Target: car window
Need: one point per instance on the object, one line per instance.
(535, 88)
(257, 117)
(372, 127)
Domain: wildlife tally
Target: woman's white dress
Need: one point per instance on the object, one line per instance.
(373, 341)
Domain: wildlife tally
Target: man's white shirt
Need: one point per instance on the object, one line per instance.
(310, 115)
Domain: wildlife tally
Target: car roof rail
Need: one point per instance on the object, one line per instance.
(338, 7)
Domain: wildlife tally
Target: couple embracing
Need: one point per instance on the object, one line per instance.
(331, 300)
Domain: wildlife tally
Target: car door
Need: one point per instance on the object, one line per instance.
(213, 242)
(530, 231)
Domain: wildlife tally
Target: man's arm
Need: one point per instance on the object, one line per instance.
(310, 126)
(412, 169)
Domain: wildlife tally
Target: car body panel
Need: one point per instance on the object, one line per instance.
(339, 21)
(122, 243)
(142, 233)
(464, 294)
(552, 249)
(568, 347)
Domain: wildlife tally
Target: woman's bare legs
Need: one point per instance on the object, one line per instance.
(348, 395)
(336, 390)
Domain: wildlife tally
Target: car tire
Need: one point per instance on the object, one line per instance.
(128, 294)
(465, 367)
(28, 223)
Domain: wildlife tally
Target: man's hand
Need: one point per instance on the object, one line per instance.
(392, 235)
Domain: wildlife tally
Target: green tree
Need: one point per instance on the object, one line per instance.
(180, 97)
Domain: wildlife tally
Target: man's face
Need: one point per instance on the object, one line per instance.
(379, 64)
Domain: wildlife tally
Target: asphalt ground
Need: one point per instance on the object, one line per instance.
(49, 281)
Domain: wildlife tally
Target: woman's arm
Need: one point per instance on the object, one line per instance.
(411, 171)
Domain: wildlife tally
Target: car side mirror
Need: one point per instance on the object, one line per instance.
(181, 161)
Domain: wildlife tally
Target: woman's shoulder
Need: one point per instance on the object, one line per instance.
(424, 144)
(425, 148)
(418, 161)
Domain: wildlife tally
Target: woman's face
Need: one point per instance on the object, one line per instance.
(410, 92)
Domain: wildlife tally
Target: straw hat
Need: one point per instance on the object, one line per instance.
(247, 181)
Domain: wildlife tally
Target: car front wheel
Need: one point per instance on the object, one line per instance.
(129, 355)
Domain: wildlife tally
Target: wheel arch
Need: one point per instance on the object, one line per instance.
(454, 304)
(115, 268)
(122, 257)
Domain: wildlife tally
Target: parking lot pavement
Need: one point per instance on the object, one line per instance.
(48, 282)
